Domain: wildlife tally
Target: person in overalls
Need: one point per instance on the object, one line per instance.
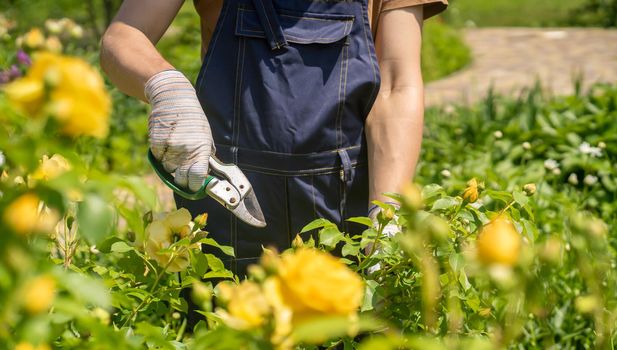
(285, 91)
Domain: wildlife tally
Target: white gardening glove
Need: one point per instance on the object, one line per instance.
(389, 230)
(178, 129)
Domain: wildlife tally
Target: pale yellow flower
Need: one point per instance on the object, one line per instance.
(51, 167)
(53, 44)
(34, 39)
(499, 243)
(39, 294)
(75, 95)
(53, 26)
(247, 306)
(162, 233)
(26, 215)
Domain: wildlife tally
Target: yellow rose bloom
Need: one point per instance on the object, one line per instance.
(247, 307)
(34, 38)
(27, 214)
(51, 167)
(39, 294)
(313, 283)
(53, 44)
(471, 192)
(26, 94)
(76, 94)
(499, 243)
(28, 346)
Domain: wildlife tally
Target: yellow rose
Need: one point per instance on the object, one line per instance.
(314, 283)
(76, 94)
(39, 294)
(499, 243)
(471, 192)
(51, 167)
(162, 233)
(26, 94)
(247, 306)
(28, 346)
(53, 44)
(34, 38)
(26, 215)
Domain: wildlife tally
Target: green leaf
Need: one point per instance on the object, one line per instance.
(225, 249)
(445, 203)
(431, 190)
(520, 198)
(214, 263)
(457, 261)
(199, 262)
(350, 248)
(499, 195)
(330, 236)
(317, 223)
(219, 274)
(362, 220)
(121, 247)
(87, 289)
(369, 291)
(320, 329)
(95, 218)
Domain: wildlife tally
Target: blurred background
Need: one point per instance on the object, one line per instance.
(522, 111)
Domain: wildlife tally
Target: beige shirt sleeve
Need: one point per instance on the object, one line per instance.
(431, 7)
(376, 7)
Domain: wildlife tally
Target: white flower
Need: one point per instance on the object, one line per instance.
(446, 173)
(526, 145)
(449, 109)
(601, 145)
(498, 134)
(2, 159)
(590, 180)
(573, 179)
(586, 148)
(551, 164)
(557, 171)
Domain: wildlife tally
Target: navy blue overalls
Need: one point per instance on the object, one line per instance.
(286, 86)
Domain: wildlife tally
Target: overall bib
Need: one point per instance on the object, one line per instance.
(286, 86)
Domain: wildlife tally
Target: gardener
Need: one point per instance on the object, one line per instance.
(286, 87)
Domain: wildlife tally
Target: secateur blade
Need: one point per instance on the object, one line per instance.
(226, 184)
(247, 208)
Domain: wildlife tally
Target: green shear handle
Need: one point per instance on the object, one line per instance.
(168, 179)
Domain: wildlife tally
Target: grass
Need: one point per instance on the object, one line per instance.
(518, 13)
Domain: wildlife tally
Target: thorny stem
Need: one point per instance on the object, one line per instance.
(506, 207)
(380, 229)
(154, 285)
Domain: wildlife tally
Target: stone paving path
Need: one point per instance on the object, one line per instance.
(512, 58)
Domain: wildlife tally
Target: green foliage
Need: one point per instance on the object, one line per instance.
(443, 50)
(595, 13)
(505, 13)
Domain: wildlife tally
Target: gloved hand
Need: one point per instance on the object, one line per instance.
(389, 230)
(178, 129)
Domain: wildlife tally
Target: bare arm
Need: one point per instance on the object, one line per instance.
(128, 55)
(394, 126)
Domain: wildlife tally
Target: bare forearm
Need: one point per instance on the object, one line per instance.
(128, 53)
(394, 136)
(129, 59)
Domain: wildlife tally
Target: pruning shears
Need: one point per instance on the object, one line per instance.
(226, 184)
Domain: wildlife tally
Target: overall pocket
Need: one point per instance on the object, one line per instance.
(290, 99)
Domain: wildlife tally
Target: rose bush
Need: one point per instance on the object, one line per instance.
(506, 251)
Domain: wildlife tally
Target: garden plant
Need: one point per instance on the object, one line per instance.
(506, 240)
